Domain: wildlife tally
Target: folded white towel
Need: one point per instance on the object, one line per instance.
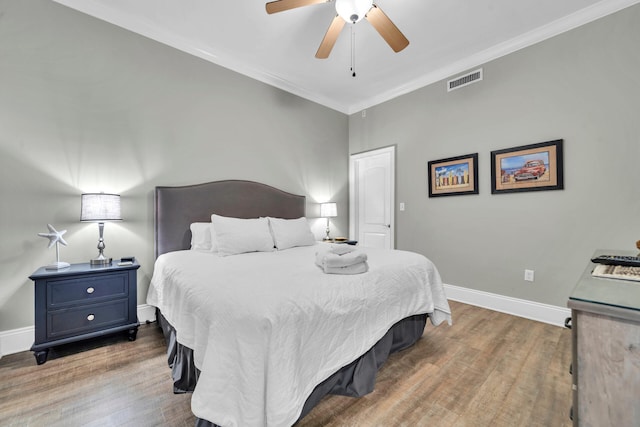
(342, 259)
(351, 269)
(341, 249)
(327, 258)
(352, 258)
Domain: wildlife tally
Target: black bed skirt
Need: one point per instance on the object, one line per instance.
(354, 380)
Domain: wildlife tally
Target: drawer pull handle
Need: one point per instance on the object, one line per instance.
(90, 317)
(90, 290)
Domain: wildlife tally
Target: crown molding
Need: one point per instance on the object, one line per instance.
(552, 29)
(149, 30)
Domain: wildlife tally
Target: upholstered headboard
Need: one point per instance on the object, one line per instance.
(178, 207)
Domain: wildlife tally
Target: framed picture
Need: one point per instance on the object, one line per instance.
(454, 176)
(532, 167)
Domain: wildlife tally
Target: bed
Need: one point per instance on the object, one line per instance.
(261, 337)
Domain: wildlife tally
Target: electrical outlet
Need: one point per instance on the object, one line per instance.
(528, 275)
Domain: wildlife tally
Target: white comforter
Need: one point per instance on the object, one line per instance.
(267, 327)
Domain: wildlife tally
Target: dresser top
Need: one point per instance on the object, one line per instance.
(83, 268)
(605, 291)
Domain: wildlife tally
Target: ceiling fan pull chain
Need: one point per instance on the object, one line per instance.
(353, 51)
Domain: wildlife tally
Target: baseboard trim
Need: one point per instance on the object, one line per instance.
(21, 339)
(146, 313)
(546, 313)
(16, 340)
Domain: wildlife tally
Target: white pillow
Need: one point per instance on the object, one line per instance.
(237, 235)
(214, 242)
(288, 233)
(201, 236)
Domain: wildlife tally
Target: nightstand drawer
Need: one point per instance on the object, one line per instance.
(87, 289)
(71, 321)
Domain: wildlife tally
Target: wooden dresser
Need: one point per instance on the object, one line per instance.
(82, 302)
(605, 327)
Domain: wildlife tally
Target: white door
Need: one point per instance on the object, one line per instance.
(371, 198)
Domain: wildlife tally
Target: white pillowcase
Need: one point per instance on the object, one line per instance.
(238, 235)
(289, 233)
(201, 236)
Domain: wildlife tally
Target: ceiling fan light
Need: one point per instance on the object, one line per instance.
(353, 11)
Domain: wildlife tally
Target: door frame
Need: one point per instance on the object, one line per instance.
(353, 190)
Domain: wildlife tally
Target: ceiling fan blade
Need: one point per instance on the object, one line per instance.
(387, 29)
(282, 5)
(330, 38)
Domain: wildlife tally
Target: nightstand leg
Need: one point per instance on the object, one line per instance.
(132, 334)
(41, 356)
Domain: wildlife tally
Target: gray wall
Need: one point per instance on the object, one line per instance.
(87, 106)
(581, 86)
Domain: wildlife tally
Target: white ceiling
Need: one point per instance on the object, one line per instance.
(447, 37)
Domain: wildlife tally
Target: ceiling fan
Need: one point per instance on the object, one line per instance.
(351, 11)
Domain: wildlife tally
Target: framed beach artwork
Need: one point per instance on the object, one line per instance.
(454, 176)
(532, 167)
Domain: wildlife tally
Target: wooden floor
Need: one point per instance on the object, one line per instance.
(488, 369)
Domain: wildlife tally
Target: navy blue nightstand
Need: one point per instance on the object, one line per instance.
(82, 302)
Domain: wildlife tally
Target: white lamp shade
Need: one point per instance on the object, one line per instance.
(353, 11)
(328, 210)
(100, 207)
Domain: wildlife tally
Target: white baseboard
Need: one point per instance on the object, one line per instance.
(546, 313)
(16, 340)
(21, 339)
(146, 313)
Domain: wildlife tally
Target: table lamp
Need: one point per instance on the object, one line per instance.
(100, 207)
(328, 210)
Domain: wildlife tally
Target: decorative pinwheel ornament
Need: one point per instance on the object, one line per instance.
(55, 237)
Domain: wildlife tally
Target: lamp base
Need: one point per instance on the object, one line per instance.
(101, 260)
(58, 265)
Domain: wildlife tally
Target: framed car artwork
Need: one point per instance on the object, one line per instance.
(532, 167)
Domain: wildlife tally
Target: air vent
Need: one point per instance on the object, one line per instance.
(462, 81)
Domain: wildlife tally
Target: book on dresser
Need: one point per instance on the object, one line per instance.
(622, 272)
